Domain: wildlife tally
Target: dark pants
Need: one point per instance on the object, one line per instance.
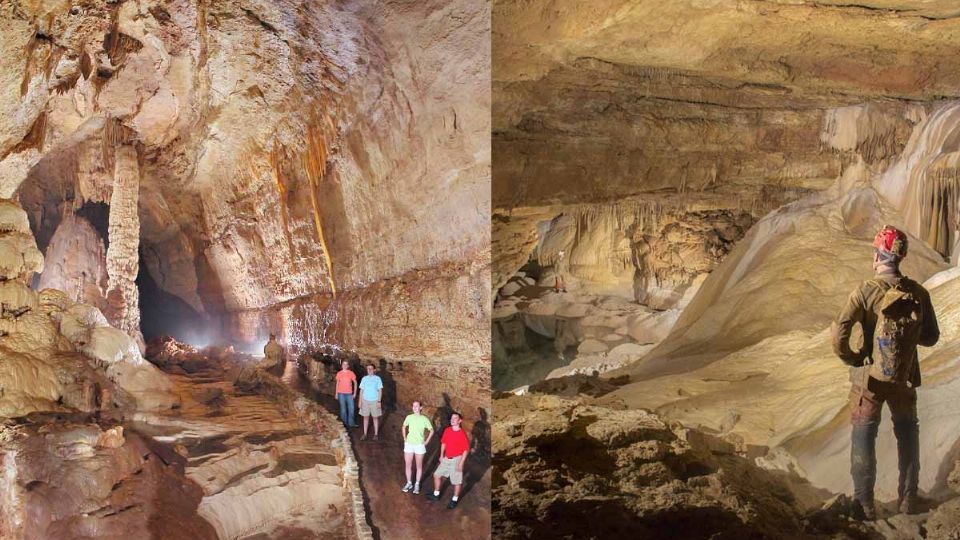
(865, 407)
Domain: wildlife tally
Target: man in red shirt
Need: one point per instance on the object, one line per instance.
(346, 393)
(454, 447)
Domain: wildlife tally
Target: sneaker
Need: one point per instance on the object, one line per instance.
(416, 490)
(452, 504)
(432, 497)
(407, 487)
(363, 437)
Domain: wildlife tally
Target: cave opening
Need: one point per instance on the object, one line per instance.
(164, 314)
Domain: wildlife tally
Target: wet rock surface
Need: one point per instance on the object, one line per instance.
(267, 464)
(78, 479)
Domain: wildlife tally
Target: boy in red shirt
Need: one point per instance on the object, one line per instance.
(454, 447)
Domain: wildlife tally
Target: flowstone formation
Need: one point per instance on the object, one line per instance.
(59, 355)
(629, 268)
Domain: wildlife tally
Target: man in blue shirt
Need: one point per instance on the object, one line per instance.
(371, 395)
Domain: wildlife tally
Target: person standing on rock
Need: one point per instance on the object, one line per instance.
(896, 316)
(273, 356)
(454, 447)
(415, 444)
(371, 398)
(560, 273)
(346, 389)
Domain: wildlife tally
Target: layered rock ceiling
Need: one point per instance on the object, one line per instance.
(317, 170)
(706, 104)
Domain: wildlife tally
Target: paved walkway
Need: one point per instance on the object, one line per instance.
(395, 515)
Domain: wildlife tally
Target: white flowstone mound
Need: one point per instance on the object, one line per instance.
(78, 322)
(751, 354)
(43, 336)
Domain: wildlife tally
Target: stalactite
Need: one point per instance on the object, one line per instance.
(28, 68)
(115, 134)
(939, 207)
(276, 158)
(314, 162)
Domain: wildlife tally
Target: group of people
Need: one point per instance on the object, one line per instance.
(417, 431)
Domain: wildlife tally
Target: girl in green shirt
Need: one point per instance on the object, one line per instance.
(415, 444)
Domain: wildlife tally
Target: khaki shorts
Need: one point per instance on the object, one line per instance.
(370, 408)
(448, 467)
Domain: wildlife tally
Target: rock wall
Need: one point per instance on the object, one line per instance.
(653, 251)
(74, 263)
(75, 480)
(289, 155)
(435, 325)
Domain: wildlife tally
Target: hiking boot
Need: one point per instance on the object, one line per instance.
(452, 504)
(910, 505)
(868, 510)
(407, 487)
(432, 497)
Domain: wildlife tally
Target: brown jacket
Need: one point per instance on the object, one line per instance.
(863, 306)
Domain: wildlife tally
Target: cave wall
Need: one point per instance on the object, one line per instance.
(610, 99)
(316, 170)
(75, 262)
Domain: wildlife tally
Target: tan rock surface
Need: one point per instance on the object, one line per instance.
(287, 152)
(559, 460)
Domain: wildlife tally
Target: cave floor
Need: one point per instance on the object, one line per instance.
(541, 334)
(395, 515)
(263, 476)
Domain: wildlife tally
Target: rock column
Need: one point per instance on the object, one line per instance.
(122, 253)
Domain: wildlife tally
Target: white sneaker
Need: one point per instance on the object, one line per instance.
(407, 487)
(416, 490)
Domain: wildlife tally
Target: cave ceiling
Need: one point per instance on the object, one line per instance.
(597, 101)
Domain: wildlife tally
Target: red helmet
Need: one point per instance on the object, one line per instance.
(891, 240)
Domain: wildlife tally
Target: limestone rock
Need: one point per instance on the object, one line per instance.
(592, 346)
(559, 458)
(77, 478)
(75, 262)
(40, 338)
(19, 255)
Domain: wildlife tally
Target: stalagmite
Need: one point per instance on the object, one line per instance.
(124, 234)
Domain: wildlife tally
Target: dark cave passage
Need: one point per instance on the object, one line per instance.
(164, 314)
